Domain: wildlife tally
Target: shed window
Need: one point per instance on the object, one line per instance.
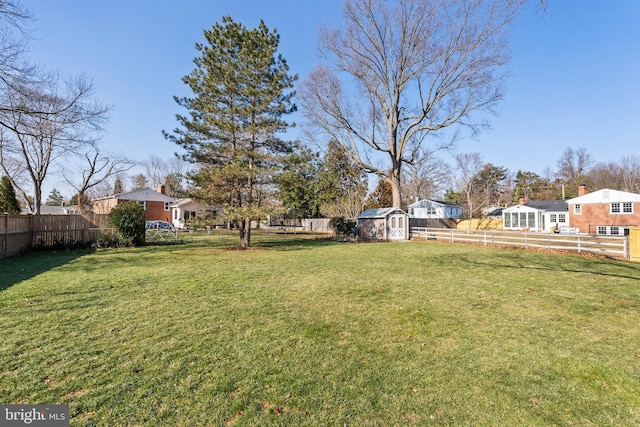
(393, 222)
(400, 223)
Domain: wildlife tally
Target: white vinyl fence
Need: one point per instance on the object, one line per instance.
(614, 246)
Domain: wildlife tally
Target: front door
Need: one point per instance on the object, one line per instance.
(397, 227)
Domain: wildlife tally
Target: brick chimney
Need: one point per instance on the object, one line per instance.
(161, 189)
(582, 190)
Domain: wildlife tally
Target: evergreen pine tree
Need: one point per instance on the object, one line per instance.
(8, 201)
(241, 90)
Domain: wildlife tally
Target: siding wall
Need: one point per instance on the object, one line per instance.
(372, 228)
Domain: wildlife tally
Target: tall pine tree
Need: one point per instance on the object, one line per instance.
(241, 89)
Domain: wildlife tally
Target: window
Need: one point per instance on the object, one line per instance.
(577, 209)
(523, 219)
(615, 230)
(602, 230)
(553, 218)
(562, 218)
(175, 214)
(532, 220)
(627, 207)
(393, 222)
(507, 220)
(143, 203)
(166, 206)
(400, 222)
(615, 208)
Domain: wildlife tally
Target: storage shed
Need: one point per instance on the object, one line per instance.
(383, 224)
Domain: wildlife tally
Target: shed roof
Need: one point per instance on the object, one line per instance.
(379, 213)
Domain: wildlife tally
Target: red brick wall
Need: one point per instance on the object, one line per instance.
(598, 214)
(155, 212)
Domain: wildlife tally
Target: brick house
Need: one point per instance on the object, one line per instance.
(604, 211)
(156, 204)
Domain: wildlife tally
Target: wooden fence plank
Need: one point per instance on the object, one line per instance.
(19, 233)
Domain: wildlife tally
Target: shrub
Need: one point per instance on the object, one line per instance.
(129, 221)
(342, 226)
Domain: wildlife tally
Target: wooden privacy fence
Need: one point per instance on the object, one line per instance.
(20, 233)
(614, 246)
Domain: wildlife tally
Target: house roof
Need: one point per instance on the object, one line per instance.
(144, 194)
(183, 202)
(378, 213)
(541, 205)
(605, 196)
(424, 203)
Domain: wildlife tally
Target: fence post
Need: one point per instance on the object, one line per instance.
(452, 236)
(525, 239)
(579, 244)
(627, 255)
(485, 237)
(3, 254)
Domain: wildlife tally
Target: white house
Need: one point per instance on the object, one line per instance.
(182, 211)
(434, 209)
(541, 216)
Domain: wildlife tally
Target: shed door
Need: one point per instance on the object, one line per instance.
(397, 225)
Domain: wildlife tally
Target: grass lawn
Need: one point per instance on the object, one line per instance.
(310, 332)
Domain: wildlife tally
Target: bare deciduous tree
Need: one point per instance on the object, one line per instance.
(417, 67)
(425, 178)
(573, 167)
(96, 169)
(468, 166)
(45, 123)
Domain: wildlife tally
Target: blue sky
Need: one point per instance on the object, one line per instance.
(574, 74)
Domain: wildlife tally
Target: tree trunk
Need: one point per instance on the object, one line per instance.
(245, 232)
(394, 179)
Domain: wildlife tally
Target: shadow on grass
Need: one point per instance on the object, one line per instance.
(16, 270)
(564, 263)
(296, 244)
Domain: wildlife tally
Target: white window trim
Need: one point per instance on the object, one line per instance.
(577, 209)
(621, 208)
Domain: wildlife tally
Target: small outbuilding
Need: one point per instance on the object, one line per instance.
(383, 224)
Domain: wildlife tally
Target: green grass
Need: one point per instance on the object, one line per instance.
(310, 332)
